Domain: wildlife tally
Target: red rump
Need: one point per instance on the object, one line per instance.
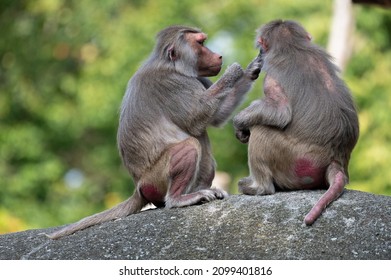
(309, 175)
(152, 194)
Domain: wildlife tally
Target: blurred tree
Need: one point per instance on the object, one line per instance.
(368, 76)
(383, 3)
(341, 36)
(64, 66)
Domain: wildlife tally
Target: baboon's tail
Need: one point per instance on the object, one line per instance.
(130, 206)
(337, 178)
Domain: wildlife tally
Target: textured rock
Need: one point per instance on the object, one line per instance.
(356, 226)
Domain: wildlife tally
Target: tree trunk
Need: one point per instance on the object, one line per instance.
(341, 36)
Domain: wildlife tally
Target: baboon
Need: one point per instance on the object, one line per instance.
(302, 132)
(162, 135)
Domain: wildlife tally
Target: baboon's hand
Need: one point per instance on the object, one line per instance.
(254, 68)
(242, 135)
(233, 73)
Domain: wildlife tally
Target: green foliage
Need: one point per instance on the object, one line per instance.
(64, 66)
(368, 76)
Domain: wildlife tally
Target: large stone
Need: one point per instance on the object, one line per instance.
(356, 226)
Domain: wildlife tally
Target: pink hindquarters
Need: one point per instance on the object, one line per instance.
(308, 174)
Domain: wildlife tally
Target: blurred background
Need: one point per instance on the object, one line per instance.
(64, 66)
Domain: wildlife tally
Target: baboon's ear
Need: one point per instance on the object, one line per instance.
(172, 53)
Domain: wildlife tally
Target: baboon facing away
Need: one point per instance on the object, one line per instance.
(162, 135)
(302, 132)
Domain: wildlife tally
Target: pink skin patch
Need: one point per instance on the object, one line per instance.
(182, 168)
(152, 194)
(309, 175)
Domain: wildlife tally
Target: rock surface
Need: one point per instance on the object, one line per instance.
(356, 226)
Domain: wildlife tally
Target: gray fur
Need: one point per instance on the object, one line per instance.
(307, 114)
(162, 128)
